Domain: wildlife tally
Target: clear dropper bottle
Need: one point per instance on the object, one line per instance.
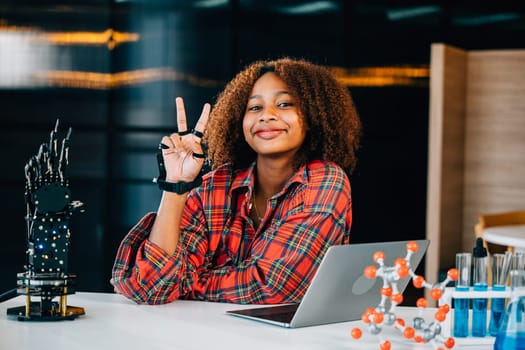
(480, 276)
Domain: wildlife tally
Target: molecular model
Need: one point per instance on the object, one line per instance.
(378, 317)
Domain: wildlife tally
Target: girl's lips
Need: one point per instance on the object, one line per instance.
(268, 134)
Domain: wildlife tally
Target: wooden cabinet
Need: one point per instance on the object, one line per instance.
(476, 160)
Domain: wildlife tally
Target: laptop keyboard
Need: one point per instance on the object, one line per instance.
(281, 313)
(285, 317)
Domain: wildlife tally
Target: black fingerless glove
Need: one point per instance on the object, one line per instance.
(177, 187)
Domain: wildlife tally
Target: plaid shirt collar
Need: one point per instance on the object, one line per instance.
(244, 179)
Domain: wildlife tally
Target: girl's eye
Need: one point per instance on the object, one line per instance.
(284, 104)
(254, 108)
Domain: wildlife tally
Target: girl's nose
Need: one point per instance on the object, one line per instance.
(269, 113)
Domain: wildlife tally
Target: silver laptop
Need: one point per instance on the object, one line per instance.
(339, 291)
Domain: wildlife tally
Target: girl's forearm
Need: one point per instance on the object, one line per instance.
(166, 228)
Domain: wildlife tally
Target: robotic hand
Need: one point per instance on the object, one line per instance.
(49, 209)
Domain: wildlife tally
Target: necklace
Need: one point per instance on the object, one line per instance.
(255, 207)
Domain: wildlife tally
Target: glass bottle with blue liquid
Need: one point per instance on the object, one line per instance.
(461, 305)
(511, 334)
(500, 273)
(480, 275)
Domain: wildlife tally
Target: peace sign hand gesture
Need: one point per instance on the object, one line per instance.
(182, 151)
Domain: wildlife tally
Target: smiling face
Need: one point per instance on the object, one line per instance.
(273, 124)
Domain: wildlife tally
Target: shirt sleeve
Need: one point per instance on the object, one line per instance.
(145, 273)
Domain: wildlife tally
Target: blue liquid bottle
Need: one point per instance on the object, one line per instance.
(480, 262)
(500, 273)
(511, 335)
(461, 305)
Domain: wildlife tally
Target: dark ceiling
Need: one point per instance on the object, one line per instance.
(372, 31)
(468, 16)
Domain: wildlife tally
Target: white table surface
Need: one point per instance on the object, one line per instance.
(507, 235)
(113, 322)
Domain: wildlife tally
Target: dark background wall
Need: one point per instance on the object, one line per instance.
(161, 49)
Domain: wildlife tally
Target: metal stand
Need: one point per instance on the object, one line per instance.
(46, 287)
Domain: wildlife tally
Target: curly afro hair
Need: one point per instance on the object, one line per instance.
(331, 120)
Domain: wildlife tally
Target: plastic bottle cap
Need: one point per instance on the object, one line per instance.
(479, 250)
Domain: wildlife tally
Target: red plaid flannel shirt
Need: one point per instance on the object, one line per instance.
(221, 257)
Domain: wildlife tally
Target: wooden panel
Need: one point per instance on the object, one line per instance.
(495, 136)
(446, 157)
